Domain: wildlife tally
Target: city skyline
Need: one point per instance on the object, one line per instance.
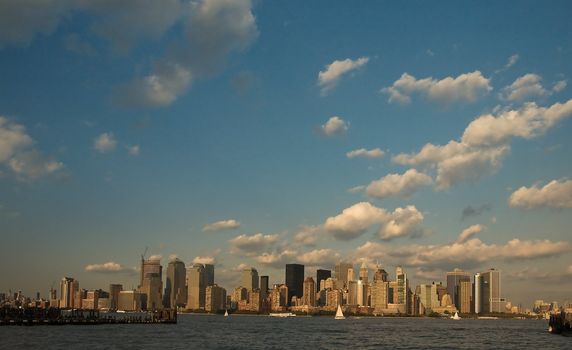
(411, 134)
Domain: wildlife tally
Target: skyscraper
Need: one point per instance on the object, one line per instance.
(175, 292)
(309, 297)
(196, 287)
(351, 276)
(322, 275)
(454, 278)
(67, 293)
(478, 293)
(264, 287)
(294, 281)
(379, 294)
(341, 272)
(215, 298)
(114, 290)
(464, 296)
(209, 275)
(402, 286)
(491, 291)
(380, 274)
(428, 297)
(151, 265)
(152, 289)
(363, 272)
(249, 279)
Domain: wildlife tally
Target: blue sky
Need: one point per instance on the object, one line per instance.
(128, 124)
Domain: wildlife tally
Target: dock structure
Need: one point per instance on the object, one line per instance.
(60, 317)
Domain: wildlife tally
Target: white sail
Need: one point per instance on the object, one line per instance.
(226, 313)
(339, 314)
(456, 317)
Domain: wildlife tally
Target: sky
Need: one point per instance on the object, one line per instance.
(431, 135)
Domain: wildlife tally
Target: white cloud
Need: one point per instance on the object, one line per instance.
(362, 152)
(560, 85)
(252, 245)
(466, 87)
(472, 253)
(352, 222)
(109, 267)
(17, 152)
(555, 194)
(485, 143)
(230, 224)
(335, 126)
(402, 222)
(133, 150)
(319, 257)
(512, 61)
(307, 235)
(469, 232)
(213, 29)
(527, 122)
(357, 189)
(204, 260)
(276, 260)
(105, 143)
(402, 185)
(328, 78)
(525, 87)
(155, 257)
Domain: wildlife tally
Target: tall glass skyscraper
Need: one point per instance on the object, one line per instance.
(294, 281)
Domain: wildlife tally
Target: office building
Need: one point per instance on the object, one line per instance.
(490, 289)
(249, 279)
(264, 287)
(215, 298)
(309, 296)
(175, 290)
(114, 290)
(363, 272)
(428, 297)
(402, 286)
(209, 274)
(151, 265)
(294, 281)
(130, 300)
(341, 272)
(196, 287)
(68, 290)
(254, 300)
(322, 275)
(379, 294)
(464, 296)
(454, 278)
(152, 289)
(477, 294)
(279, 298)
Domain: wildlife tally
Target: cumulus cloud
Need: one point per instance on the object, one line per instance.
(307, 235)
(319, 257)
(560, 85)
(362, 152)
(252, 245)
(467, 87)
(335, 126)
(469, 254)
(402, 222)
(352, 222)
(18, 154)
(403, 185)
(22, 20)
(211, 260)
(525, 87)
(213, 29)
(276, 259)
(155, 257)
(105, 143)
(485, 143)
(109, 267)
(470, 211)
(469, 232)
(555, 194)
(328, 78)
(230, 224)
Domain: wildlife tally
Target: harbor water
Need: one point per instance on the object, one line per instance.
(263, 332)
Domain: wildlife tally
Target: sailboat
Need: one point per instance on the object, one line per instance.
(225, 313)
(340, 314)
(456, 317)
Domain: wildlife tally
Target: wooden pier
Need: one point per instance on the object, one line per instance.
(61, 317)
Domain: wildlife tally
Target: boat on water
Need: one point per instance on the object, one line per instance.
(560, 323)
(340, 314)
(456, 316)
(487, 318)
(283, 314)
(225, 313)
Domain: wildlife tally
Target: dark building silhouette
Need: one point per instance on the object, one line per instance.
(263, 287)
(322, 275)
(294, 281)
